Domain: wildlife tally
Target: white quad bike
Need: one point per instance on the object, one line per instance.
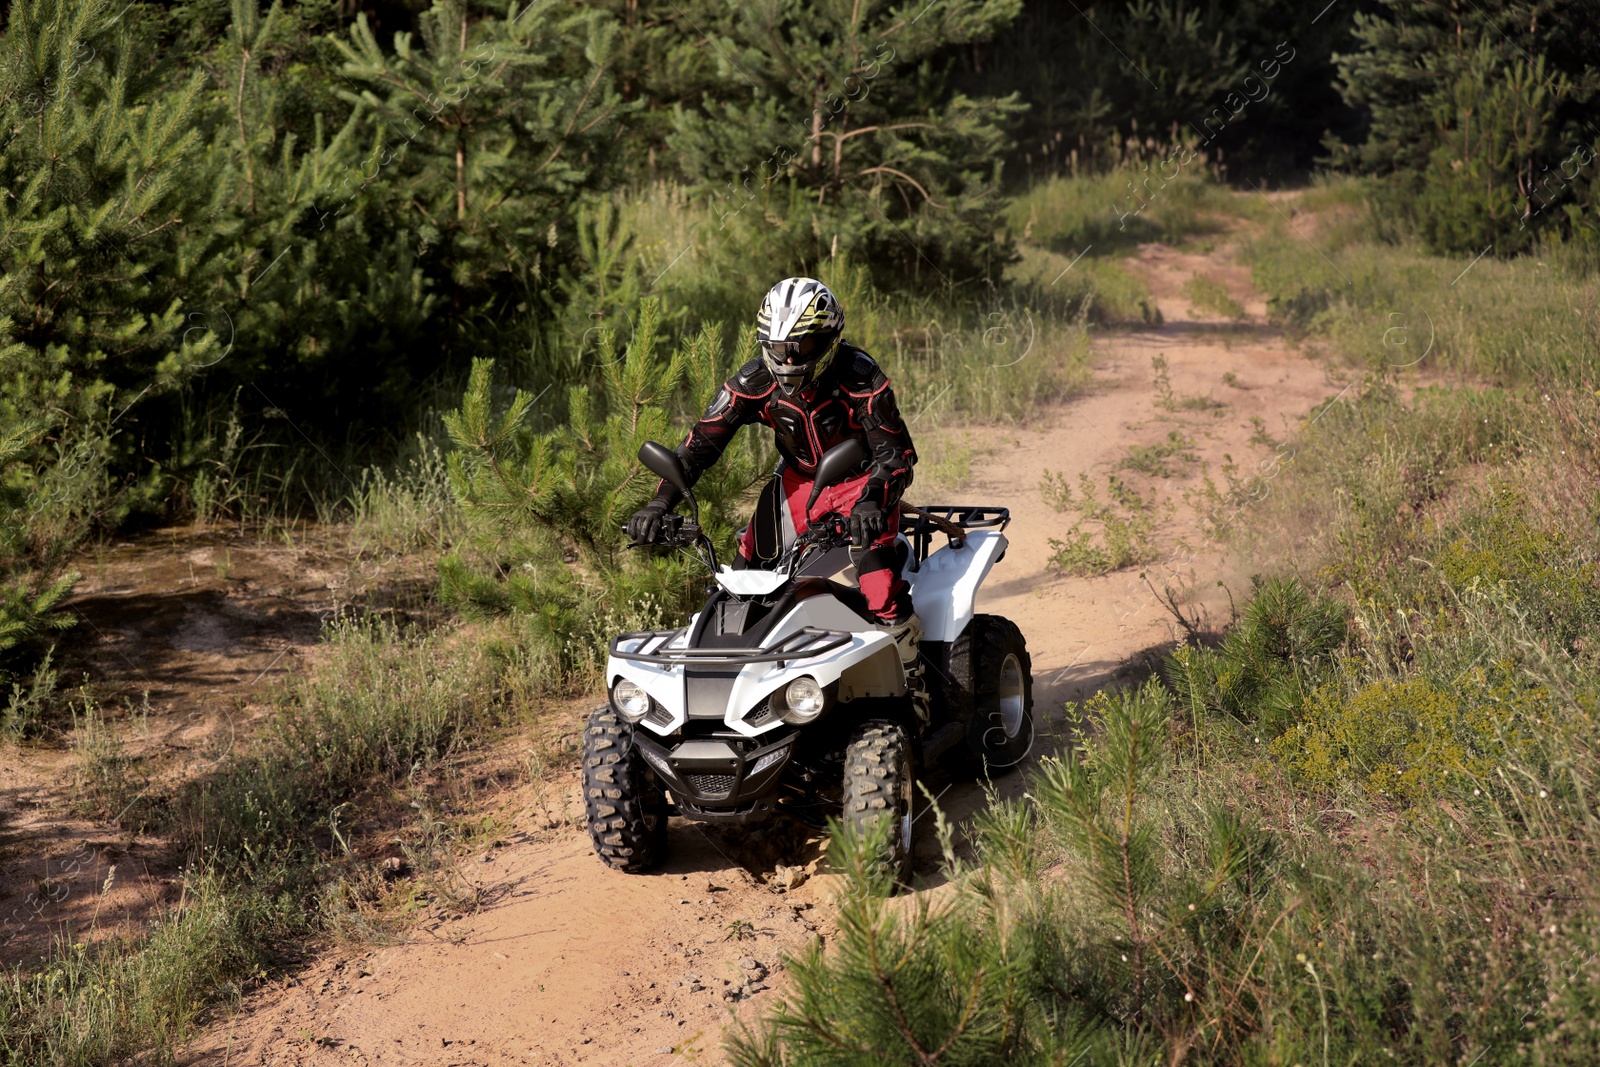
(781, 695)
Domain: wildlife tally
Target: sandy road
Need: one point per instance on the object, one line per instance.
(568, 962)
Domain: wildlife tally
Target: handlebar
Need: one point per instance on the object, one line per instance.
(679, 532)
(676, 532)
(831, 527)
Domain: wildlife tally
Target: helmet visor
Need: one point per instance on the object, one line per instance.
(795, 353)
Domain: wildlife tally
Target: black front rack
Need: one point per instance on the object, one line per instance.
(803, 644)
(919, 529)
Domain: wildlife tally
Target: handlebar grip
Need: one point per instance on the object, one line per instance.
(678, 533)
(831, 527)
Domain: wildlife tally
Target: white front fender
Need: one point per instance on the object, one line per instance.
(858, 658)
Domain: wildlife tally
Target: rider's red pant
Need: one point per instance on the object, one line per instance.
(888, 596)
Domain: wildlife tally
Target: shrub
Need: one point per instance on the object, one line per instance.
(549, 507)
(1411, 739)
(1268, 663)
(1540, 571)
(1126, 522)
(1152, 460)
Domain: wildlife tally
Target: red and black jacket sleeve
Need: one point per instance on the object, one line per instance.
(893, 454)
(737, 403)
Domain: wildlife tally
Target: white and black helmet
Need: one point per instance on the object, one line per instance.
(798, 326)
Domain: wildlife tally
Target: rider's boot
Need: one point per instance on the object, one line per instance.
(907, 636)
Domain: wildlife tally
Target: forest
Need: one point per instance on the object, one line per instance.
(405, 287)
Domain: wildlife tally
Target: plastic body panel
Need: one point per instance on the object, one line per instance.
(944, 587)
(756, 681)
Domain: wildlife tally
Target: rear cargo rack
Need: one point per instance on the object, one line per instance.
(802, 644)
(919, 530)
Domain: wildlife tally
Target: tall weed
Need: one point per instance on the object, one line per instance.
(408, 508)
(116, 1000)
(383, 704)
(1516, 321)
(260, 831)
(1125, 519)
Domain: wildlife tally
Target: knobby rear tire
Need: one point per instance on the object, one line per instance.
(992, 669)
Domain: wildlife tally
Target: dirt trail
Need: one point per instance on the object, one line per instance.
(568, 962)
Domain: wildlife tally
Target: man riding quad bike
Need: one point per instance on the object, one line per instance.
(815, 391)
(807, 681)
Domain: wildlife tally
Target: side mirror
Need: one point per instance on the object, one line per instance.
(838, 464)
(665, 464)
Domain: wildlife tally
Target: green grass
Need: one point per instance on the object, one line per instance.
(267, 835)
(1105, 211)
(1098, 287)
(1152, 460)
(1382, 305)
(944, 466)
(1207, 294)
(1007, 369)
(687, 259)
(998, 363)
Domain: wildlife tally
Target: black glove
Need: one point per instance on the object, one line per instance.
(866, 523)
(646, 522)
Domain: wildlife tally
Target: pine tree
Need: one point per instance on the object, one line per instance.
(401, 204)
(836, 129)
(549, 505)
(324, 226)
(1481, 117)
(1099, 925)
(496, 126)
(950, 984)
(1096, 74)
(101, 166)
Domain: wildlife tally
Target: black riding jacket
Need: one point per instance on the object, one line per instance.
(852, 398)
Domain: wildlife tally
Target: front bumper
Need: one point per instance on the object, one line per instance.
(715, 775)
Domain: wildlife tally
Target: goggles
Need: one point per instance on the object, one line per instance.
(801, 352)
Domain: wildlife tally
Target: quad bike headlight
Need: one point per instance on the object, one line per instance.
(631, 701)
(803, 700)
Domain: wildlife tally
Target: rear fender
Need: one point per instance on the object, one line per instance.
(945, 587)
